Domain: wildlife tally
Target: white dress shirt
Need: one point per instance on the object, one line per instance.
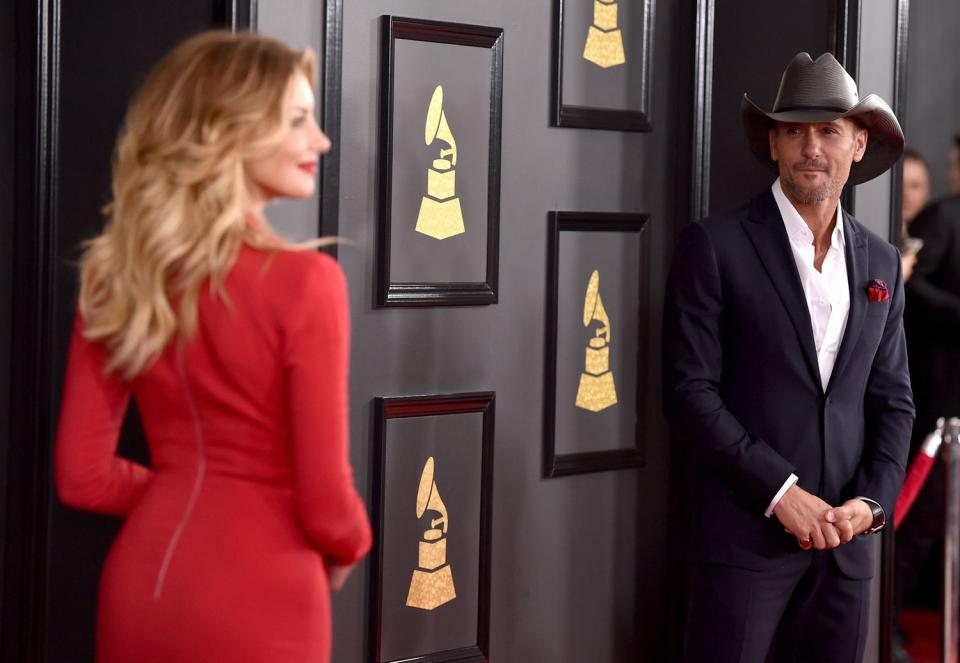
(827, 293)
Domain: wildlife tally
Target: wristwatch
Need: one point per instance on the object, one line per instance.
(879, 517)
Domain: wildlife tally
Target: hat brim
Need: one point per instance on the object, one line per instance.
(884, 135)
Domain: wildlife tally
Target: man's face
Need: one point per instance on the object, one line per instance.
(953, 170)
(815, 158)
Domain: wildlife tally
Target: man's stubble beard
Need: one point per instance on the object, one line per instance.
(814, 195)
(827, 190)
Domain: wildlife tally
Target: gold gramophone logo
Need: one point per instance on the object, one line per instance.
(440, 214)
(432, 583)
(604, 46)
(597, 391)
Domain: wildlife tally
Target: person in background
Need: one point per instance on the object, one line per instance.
(932, 319)
(916, 193)
(234, 344)
(953, 166)
(916, 184)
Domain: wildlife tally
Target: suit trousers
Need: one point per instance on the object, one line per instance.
(809, 612)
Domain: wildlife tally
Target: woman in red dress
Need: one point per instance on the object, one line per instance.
(235, 345)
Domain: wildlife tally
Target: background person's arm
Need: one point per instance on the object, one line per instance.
(932, 302)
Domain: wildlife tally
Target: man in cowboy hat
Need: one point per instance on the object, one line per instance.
(785, 369)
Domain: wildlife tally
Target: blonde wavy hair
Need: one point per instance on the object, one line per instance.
(180, 191)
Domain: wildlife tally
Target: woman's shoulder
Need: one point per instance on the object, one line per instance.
(289, 279)
(294, 270)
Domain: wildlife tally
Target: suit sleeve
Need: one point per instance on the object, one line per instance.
(935, 304)
(888, 412)
(692, 365)
(88, 473)
(331, 512)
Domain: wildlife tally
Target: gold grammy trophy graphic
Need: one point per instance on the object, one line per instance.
(432, 583)
(440, 214)
(597, 391)
(604, 46)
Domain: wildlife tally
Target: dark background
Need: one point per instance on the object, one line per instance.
(933, 85)
(7, 212)
(736, 174)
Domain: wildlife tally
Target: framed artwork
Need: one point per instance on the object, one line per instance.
(438, 163)
(602, 62)
(431, 510)
(596, 342)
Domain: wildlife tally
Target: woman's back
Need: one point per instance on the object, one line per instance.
(222, 554)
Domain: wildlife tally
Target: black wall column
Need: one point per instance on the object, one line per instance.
(7, 160)
(70, 70)
(33, 293)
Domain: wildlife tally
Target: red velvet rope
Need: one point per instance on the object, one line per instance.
(916, 477)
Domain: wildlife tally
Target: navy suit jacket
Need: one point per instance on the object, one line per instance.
(742, 385)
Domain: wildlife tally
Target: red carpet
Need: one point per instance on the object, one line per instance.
(922, 633)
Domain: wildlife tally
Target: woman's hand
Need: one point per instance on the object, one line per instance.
(337, 576)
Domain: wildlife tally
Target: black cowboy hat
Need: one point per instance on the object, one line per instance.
(822, 91)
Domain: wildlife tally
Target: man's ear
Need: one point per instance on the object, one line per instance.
(772, 135)
(860, 143)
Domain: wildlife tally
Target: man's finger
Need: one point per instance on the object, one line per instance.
(840, 513)
(845, 528)
(818, 540)
(831, 536)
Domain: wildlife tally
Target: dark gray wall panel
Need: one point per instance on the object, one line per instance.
(877, 60)
(579, 563)
(933, 89)
(300, 23)
(753, 42)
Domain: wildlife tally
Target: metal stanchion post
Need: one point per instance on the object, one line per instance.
(951, 544)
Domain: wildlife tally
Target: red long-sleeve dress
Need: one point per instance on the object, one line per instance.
(225, 539)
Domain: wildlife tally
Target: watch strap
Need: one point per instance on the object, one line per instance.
(879, 517)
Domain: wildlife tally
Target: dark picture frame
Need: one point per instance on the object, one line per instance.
(390, 408)
(329, 221)
(561, 464)
(235, 15)
(593, 117)
(428, 293)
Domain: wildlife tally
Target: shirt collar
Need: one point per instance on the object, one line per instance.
(797, 229)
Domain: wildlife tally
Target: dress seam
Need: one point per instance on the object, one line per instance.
(197, 484)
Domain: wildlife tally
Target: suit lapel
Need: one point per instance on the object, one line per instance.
(765, 229)
(857, 264)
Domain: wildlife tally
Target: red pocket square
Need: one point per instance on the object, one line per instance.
(877, 291)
